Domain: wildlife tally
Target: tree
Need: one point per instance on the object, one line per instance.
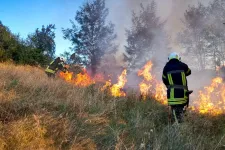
(43, 40)
(216, 29)
(66, 55)
(203, 37)
(8, 43)
(71, 58)
(193, 37)
(13, 47)
(145, 37)
(92, 37)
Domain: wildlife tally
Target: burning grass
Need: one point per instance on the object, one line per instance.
(211, 100)
(150, 85)
(41, 113)
(82, 79)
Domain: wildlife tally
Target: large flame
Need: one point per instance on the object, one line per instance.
(66, 76)
(116, 88)
(150, 85)
(211, 100)
(146, 83)
(83, 80)
(160, 92)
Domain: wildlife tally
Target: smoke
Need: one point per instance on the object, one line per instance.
(172, 11)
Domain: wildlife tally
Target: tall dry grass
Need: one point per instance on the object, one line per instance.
(41, 113)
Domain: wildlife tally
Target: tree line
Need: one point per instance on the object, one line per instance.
(203, 36)
(37, 49)
(92, 37)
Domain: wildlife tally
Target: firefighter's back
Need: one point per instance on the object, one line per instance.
(175, 68)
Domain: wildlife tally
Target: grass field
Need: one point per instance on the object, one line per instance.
(41, 113)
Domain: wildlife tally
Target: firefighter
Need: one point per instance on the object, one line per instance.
(174, 77)
(54, 66)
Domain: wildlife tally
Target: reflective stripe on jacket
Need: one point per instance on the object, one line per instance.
(49, 70)
(174, 77)
(54, 66)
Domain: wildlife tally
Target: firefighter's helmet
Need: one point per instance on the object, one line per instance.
(174, 55)
(62, 59)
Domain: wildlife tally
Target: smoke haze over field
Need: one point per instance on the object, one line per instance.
(172, 11)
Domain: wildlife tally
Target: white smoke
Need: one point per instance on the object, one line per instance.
(171, 11)
(120, 13)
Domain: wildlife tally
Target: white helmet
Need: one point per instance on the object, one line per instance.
(62, 59)
(174, 55)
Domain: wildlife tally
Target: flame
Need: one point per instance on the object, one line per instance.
(116, 88)
(144, 89)
(106, 86)
(66, 76)
(160, 93)
(82, 79)
(145, 72)
(150, 85)
(211, 100)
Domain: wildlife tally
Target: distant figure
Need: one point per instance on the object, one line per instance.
(174, 77)
(54, 66)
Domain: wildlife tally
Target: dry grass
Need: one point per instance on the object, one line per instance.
(41, 113)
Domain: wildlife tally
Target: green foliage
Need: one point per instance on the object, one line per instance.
(71, 58)
(8, 44)
(92, 37)
(43, 40)
(37, 49)
(67, 56)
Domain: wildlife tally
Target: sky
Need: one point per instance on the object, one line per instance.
(24, 16)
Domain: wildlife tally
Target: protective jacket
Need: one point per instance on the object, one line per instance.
(54, 66)
(174, 77)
